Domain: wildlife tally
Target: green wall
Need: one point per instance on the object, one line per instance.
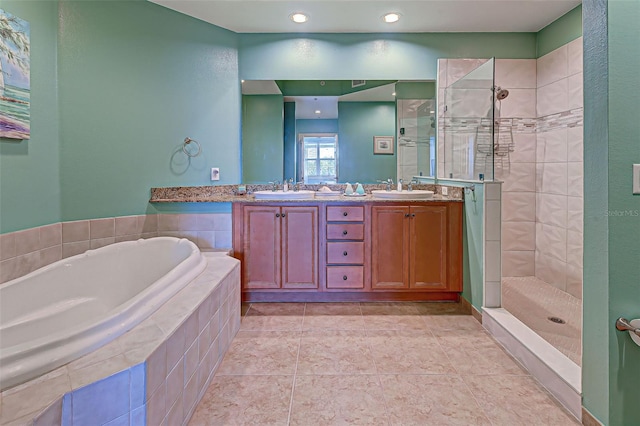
(389, 56)
(262, 138)
(611, 371)
(317, 125)
(473, 246)
(134, 80)
(290, 140)
(416, 90)
(358, 123)
(30, 169)
(560, 32)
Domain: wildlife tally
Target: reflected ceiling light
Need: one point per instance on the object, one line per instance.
(393, 94)
(298, 17)
(390, 18)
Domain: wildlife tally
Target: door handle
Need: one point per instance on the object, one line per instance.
(344, 232)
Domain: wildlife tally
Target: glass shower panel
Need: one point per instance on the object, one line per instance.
(468, 129)
(416, 138)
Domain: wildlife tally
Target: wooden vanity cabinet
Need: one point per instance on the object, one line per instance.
(375, 251)
(279, 246)
(347, 251)
(417, 247)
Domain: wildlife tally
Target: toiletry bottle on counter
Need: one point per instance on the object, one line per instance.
(399, 185)
(349, 189)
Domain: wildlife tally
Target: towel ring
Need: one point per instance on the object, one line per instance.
(187, 141)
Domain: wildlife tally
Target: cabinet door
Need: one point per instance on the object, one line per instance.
(299, 247)
(262, 258)
(390, 245)
(428, 253)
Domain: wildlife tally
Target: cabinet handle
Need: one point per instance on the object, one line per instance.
(283, 215)
(344, 253)
(406, 215)
(345, 214)
(344, 277)
(344, 232)
(277, 214)
(412, 215)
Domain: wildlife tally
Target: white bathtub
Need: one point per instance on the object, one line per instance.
(69, 308)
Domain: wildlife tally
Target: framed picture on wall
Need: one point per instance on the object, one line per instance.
(15, 77)
(383, 145)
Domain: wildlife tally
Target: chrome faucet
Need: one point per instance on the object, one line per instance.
(387, 182)
(296, 186)
(274, 185)
(410, 184)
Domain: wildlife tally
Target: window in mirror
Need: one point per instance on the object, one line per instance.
(318, 158)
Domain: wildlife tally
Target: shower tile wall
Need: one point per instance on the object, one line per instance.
(22, 252)
(518, 169)
(542, 203)
(542, 193)
(559, 169)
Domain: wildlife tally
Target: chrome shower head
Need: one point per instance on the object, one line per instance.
(501, 93)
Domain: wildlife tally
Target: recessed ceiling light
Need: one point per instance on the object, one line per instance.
(393, 94)
(298, 17)
(390, 18)
(318, 111)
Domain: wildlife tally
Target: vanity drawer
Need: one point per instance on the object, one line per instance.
(345, 213)
(345, 231)
(345, 253)
(345, 277)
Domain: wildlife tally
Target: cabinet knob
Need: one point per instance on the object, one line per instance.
(412, 215)
(344, 277)
(344, 253)
(406, 215)
(344, 232)
(283, 215)
(345, 214)
(277, 214)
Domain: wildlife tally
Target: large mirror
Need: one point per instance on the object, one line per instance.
(328, 131)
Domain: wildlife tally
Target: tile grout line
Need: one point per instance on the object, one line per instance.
(295, 371)
(375, 364)
(458, 374)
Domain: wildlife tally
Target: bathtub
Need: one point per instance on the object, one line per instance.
(72, 307)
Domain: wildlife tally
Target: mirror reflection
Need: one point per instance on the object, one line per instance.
(323, 131)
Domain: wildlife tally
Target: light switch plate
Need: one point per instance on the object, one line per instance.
(636, 179)
(215, 173)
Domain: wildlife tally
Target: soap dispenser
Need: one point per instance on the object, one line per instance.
(399, 185)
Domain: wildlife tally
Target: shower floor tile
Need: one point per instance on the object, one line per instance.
(533, 302)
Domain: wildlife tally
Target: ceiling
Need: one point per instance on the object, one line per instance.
(365, 16)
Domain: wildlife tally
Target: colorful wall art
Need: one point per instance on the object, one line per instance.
(14, 77)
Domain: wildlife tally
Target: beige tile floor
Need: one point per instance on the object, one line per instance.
(533, 301)
(370, 364)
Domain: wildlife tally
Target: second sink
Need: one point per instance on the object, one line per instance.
(403, 195)
(280, 195)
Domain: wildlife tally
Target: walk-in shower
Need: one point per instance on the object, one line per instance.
(500, 121)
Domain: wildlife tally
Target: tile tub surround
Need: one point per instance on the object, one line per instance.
(155, 373)
(22, 252)
(370, 363)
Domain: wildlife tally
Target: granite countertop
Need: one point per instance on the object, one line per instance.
(227, 194)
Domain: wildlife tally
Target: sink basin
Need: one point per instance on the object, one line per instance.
(403, 195)
(279, 195)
